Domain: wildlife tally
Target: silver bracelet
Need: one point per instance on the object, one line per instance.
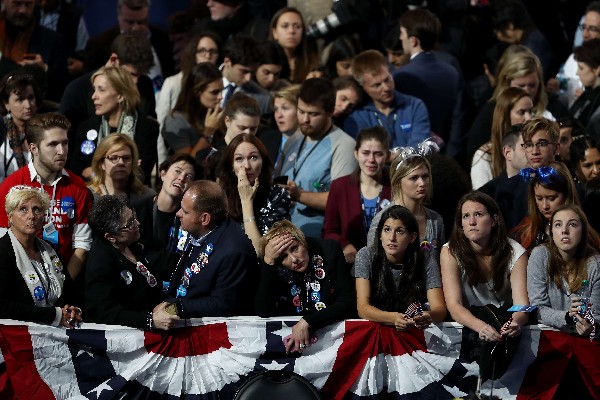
(249, 219)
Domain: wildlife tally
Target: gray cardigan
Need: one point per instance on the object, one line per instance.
(553, 302)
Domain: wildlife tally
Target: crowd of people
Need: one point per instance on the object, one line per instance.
(299, 167)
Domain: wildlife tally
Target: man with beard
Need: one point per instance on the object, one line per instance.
(315, 156)
(65, 225)
(26, 42)
(215, 274)
(404, 117)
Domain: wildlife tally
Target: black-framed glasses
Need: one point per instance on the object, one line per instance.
(591, 28)
(115, 159)
(130, 223)
(541, 144)
(204, 51)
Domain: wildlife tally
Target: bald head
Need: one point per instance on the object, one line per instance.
(208, 197)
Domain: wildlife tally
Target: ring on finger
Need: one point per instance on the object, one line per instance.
(302, 345)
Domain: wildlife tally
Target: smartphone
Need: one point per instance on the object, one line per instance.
(281, 180)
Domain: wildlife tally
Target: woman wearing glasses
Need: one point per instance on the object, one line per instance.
(115, 170)
(116, 101)
(121, 286)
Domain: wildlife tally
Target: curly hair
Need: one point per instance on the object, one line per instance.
(105, 215)
(386, 294)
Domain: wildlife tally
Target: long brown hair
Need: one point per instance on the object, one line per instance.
(555, 177)
(499, 247)
(192, 85)
(307, 58)
(228, 180)
(557, 268)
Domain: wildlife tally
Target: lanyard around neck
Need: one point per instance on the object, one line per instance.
(298, 167)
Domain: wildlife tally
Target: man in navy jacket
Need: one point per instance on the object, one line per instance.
(217, 273)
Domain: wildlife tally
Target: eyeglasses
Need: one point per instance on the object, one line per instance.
(130, 223)
(115, 159)
(203, 51)
(590, 28)
(542, 144)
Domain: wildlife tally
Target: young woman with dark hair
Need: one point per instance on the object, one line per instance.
(355, 199)
(480, 265)
(244, 173)
(393, 275)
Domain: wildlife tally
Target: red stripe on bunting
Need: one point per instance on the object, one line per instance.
(17, 350)
(545, 373)
(187, 342)
(364, 340)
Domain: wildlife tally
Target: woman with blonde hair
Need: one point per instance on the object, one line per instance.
(411, 187)
(115, 170)
(513, 106)
(289, 30)
(34, 284)
(519, 68)
(116, 100)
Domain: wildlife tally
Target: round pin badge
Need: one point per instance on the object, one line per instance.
(151, 280)
(92, 134)
(320, 306)
(195, 268)
(31, 277)
(296, 301)
(88, 147)
(185, 282)
(384, 204)
(126, 275)
(316, 286)
(39, 293)
(315, 296)
(181, 291)
(71, 213)
(320, 273)
(295, 290)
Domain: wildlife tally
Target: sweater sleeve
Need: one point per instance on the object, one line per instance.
(538, 289)
(332, 227)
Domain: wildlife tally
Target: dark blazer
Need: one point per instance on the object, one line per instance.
(436, 83)
(146, 134)
(15, 299)
(108, 297)
(225, 286)
(49, 45)
(343, 214)
(97, 50)
(337, 288)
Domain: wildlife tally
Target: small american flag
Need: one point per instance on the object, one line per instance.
(414, 310)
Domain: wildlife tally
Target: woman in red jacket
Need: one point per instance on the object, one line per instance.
(355, 199)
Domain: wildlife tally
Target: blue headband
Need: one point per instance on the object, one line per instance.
(544, 175)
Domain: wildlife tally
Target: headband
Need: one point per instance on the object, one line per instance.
(543, 174)
(424, 149)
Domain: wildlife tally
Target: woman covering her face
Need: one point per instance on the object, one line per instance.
(306, 277)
